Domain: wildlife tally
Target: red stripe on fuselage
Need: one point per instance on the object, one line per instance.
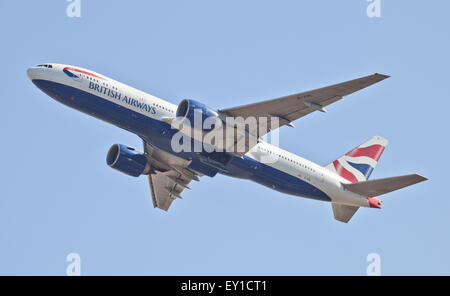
(373, 151)
(84, 72)
(343, 172)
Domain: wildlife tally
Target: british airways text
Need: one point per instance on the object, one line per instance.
(118, 96)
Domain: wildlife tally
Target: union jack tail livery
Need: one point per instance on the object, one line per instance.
(358, 164)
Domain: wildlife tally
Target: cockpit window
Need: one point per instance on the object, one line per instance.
(45, 66)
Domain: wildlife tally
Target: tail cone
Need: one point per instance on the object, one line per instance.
(374, 202)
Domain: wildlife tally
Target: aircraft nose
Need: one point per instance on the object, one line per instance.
(32, 73)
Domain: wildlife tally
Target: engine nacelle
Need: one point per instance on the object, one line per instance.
(127, 160)
(187, 108)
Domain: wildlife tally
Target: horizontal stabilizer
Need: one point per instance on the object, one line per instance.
(382, 186)
(343, 213)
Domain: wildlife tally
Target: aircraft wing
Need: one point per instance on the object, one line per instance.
(292, 107)
(165, 187)
(168, 178)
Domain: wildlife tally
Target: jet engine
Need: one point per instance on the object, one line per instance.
(190, 110)
(127, 160)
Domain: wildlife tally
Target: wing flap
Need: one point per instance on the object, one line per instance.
(164, 189)
(168, 178)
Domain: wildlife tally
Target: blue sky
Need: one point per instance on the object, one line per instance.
(58, 196)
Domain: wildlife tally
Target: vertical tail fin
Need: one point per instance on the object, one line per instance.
(358, 164)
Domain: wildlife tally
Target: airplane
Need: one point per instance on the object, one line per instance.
(344, 182)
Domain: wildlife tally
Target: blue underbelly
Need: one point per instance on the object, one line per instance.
(268, 176)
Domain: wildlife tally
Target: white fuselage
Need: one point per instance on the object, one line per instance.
(147, 105)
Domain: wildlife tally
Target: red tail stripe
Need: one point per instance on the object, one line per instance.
(84, 72)
(373, 151)
(343, 172)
